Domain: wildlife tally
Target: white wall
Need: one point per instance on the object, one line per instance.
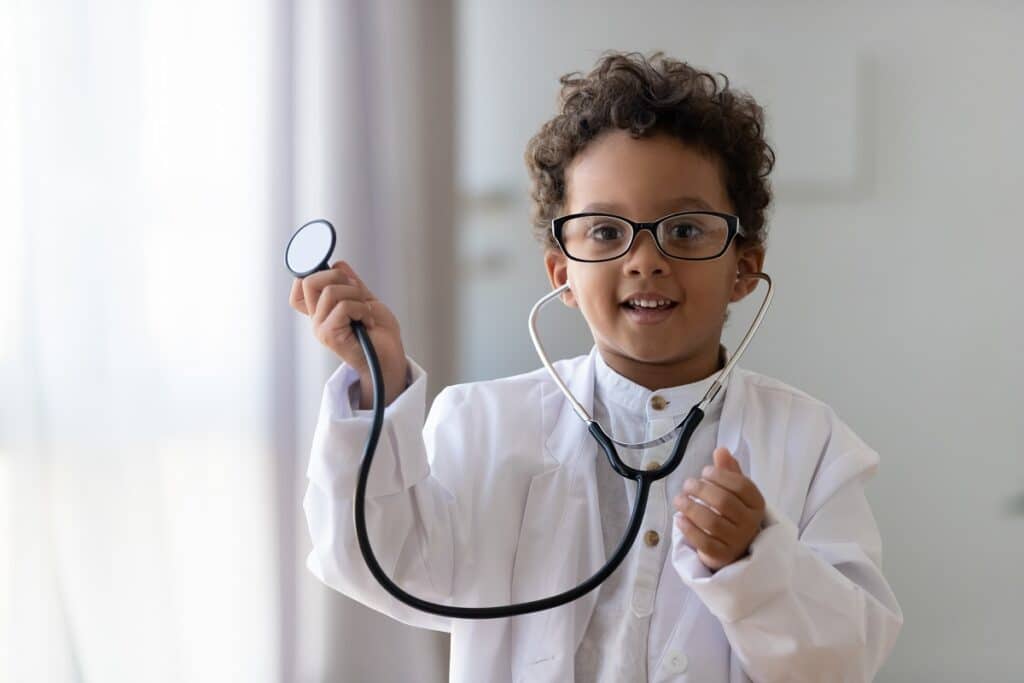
(894, 241)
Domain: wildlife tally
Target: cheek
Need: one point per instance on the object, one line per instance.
(708, 293)
(592, 289)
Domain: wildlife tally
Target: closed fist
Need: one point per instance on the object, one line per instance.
(333, 299)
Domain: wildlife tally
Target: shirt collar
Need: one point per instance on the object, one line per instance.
(612, 389)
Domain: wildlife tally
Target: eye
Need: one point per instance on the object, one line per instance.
(605, 232)
(686, 231)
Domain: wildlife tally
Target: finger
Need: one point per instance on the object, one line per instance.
(338, 324)
(701, 540)
(724, 459)
(296, 298)
(348, 270)
(738, 484)
(725, 503)
(331, 296)
(313, 285)
(710, 522)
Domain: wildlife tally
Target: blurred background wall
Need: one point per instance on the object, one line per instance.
(894, 244)
(157, 395)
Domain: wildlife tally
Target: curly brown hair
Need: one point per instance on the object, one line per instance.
(648, 95)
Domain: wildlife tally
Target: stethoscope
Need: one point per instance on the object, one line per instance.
(308, 252)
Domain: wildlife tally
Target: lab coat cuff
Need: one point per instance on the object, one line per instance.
(338, 442)
(737, 590)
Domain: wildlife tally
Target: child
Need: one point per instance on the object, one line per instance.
(502, 496)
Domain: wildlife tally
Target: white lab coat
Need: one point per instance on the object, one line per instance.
(496, 503)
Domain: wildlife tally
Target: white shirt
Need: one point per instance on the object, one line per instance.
(627, 634)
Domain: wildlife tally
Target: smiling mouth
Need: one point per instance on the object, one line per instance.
(648, 304)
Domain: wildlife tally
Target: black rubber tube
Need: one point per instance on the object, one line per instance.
(641, 477)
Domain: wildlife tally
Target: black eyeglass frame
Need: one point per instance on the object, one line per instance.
(733, 223)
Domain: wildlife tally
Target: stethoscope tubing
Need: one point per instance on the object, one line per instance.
(643, 478)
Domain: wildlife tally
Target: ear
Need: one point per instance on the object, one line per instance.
(749, 259)
(558, 272)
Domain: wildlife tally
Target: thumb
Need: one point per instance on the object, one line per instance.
(723, 458)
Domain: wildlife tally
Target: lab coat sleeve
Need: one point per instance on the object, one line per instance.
(808, 604)
(410, 515)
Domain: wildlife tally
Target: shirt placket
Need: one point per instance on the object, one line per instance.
(654, 532)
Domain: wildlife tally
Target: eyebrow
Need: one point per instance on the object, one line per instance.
(688, 202)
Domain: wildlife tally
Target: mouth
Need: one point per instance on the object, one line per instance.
(648, 308)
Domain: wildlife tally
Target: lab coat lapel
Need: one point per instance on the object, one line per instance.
(730, 422)
(757, 443)
(561, 542)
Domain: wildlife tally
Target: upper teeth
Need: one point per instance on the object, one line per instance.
(649, 303)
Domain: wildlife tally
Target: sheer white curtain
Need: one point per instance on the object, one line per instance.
(137, 250)
(374, 123)
(154, 387)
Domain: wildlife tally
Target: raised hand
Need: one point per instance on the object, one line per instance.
(721, 512)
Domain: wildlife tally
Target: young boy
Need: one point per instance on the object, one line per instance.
(769, 567)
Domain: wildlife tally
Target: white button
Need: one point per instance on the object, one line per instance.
(643, 602)
(676, 663)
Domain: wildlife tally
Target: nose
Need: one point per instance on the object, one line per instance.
(644, 258)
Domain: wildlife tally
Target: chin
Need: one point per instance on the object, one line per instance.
(659, 354)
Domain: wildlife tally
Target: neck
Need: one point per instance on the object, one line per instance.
(661, 375)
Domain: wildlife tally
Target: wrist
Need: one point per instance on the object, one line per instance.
(394, 384)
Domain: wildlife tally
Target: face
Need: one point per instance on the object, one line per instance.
(645, 179)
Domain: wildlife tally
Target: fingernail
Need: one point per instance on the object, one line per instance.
(708, 471)
(690, 486)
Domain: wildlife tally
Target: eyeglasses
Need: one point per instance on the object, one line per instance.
(688, 235)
